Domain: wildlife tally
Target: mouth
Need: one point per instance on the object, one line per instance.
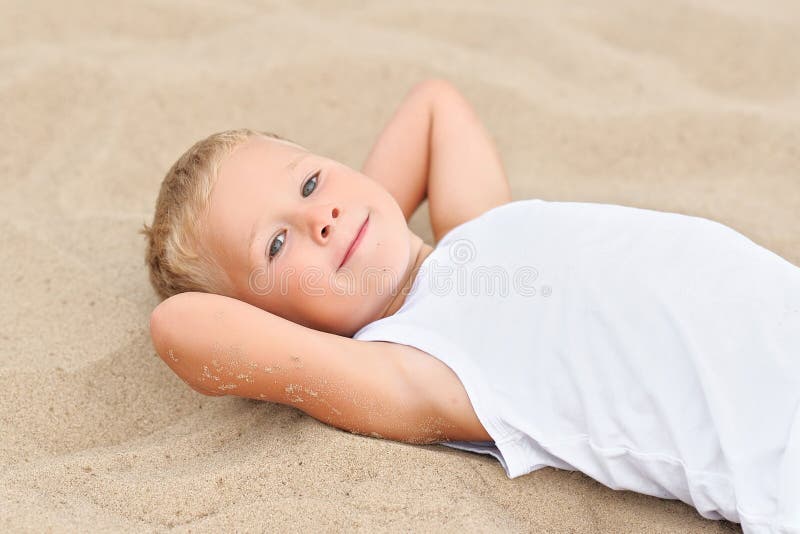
(356, 241)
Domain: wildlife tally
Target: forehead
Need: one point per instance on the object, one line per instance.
(258, 155)
(245, 177)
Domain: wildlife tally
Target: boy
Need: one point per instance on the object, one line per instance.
(211, 341)
(655, 352)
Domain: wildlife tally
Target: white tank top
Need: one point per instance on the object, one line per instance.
(653, 351)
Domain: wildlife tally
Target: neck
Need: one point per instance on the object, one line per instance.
(419, 251)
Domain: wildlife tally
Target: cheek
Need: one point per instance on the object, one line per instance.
(389, 259)
(273, 291)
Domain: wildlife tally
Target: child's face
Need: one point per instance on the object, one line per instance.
(276, 197)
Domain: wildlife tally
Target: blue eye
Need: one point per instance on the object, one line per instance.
(273, 250)
(314, 179)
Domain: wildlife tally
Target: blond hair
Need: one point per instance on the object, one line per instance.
(176, 256)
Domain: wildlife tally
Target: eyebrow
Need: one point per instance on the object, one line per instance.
(292, 164)
(290, 167)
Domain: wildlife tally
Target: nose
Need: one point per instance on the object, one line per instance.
(320, 220)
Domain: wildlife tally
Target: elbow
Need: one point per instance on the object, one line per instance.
(158, 327)
(187, 320)
(164, 319)
(436, 84)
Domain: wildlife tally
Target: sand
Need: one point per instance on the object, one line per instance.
(690, 107)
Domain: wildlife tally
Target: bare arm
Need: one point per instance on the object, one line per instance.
(399, 160)
(223, 346)
(466, 174)
(435, 147)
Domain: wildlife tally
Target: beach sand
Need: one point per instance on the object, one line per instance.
(690, 107)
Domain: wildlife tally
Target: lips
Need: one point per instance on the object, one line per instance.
(356, 241)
